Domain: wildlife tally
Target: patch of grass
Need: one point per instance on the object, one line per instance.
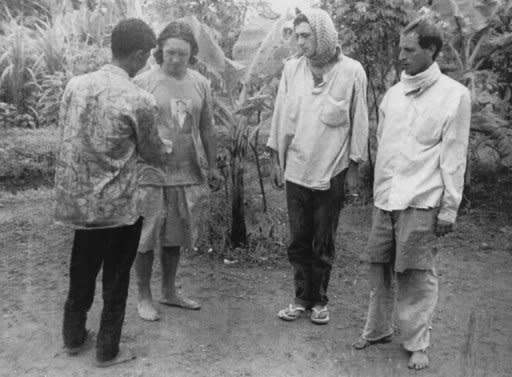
(27, 157)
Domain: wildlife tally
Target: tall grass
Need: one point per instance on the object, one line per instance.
(38, 56)
(18, 57)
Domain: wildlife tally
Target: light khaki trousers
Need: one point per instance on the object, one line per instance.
(410, 296)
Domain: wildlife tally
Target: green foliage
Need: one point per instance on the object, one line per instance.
(479, 55)
(370, 32)
(18, 57)
(224, 17)
(38, 56)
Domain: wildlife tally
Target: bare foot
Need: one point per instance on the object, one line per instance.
(147, 311)
(180, 301)
(418, 360)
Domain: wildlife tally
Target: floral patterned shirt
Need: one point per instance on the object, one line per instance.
(106, 123)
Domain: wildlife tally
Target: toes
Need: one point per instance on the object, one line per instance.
(147, 312)
(418, 361)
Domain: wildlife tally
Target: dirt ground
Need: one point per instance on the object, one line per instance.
(237, 332)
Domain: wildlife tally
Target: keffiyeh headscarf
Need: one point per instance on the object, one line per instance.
(325, 34)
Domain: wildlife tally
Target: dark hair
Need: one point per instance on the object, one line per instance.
(299, 19)
(428, 34)
(179, 30)
(131, 35)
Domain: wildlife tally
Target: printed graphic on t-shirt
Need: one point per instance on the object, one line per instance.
(181, 114)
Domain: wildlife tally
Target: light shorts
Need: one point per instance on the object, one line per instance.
(171, 215)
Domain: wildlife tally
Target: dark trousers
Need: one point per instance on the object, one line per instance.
(313, 217)
(115, 248)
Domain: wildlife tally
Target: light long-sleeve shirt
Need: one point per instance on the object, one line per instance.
(316, 130)
(422, 148)
(106, 123)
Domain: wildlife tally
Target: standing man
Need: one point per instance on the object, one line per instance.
(106, 124)
(419, 175)
(319, 130)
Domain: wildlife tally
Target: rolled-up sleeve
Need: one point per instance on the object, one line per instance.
(359, 119)
(455, 138)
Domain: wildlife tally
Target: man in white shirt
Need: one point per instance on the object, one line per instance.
(319, 132)
(422, 138)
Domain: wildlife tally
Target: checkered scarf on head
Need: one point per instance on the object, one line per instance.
(325, 34)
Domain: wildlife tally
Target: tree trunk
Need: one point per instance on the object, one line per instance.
(238, 229)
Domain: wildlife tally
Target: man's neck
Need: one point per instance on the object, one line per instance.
(122, 64)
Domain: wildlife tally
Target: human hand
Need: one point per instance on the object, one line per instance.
(215, 179)
(443, 227)
(277, 177)
(352, 179)
(168, 146)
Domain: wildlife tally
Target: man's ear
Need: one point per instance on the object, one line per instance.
(432, 51)
(139, 54)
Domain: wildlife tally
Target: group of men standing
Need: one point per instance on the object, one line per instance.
(318, 139)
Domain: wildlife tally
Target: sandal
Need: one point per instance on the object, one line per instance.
(291, 313)
(362, 343)
(320, 315)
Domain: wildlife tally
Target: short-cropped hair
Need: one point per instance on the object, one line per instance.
(428, 34)
(179, 30)
(131, 35)
(299, 19)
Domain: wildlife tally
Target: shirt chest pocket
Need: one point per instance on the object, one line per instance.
(429, 131)
(335, 113)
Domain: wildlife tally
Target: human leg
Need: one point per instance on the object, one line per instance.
(379, 319)
(169, 259)
(300, 217)
(143, 272)
(118, 260)
(326, 210)
(381, 250)
(417, 281)
(150, 202)
(177, 236)
(416, 301)
(84, 267)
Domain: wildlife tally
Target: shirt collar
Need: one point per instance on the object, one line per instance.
(115, 70)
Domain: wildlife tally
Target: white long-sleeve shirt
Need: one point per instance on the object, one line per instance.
(422, 148)
(316, 130)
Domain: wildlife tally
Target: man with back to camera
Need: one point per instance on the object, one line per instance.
(106, 123)
(419, 176)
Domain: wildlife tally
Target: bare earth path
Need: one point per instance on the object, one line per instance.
(237, 332)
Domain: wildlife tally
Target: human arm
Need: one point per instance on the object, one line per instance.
(359, 130)
(277, 173)
(453, 158)
(274, 142)
(149, 144)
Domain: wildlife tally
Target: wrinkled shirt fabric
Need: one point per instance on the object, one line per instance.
(422, 145)
(317, 129)
(106, 123)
